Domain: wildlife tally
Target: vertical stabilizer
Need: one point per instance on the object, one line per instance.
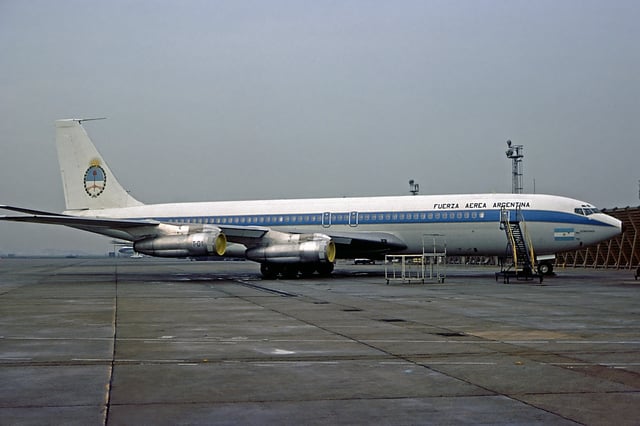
(86, 178)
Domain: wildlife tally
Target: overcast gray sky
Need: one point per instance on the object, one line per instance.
(219, 100)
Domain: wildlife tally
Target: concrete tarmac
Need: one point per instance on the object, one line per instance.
(148, 341)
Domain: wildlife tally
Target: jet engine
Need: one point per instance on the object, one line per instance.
(302, 248)
(197, 244)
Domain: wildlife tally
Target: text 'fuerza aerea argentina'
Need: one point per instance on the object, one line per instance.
(483, 205)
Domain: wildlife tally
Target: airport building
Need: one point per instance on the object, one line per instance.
(621, 252)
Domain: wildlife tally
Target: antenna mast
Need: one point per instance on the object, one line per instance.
(514, 152)
(414, 188)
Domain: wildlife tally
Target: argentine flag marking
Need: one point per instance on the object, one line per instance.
(564, 234)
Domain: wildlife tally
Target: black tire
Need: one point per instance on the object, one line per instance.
(290, 272)
(270, 271)
(325, 269)
(545, 268)
(307, 270)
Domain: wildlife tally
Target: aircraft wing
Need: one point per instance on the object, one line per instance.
(29, 211)
(129, 229)
(84, 222)
(350, 245)
(76, 221)
(246, 235)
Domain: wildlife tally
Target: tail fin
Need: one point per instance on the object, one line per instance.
(87, 180)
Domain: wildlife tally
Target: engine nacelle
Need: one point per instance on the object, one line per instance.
(197, 244)
(304, 248)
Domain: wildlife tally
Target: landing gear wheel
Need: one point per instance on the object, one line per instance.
(307, 270)
(270, 271)
(325, 269)
(290, 272)
(545, 268)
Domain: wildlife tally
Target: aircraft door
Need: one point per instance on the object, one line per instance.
(504, 217)
(353, 219)
(326, 219)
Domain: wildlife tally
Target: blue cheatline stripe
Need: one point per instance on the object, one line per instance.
(380, 218)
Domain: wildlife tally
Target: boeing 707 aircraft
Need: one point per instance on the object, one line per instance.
(288, 237)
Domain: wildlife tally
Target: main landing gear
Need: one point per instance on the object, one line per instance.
(272, 271)
(545, 268)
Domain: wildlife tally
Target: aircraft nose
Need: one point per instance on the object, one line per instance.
(614, 226)
(619, 226)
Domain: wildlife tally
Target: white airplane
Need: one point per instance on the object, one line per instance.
(304, 236)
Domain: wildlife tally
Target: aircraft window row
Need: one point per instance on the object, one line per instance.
(373, 217)
(334, 218)
(251, 220)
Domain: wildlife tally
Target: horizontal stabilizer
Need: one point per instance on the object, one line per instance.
(29, 211)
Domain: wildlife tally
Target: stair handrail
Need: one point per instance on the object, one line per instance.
(512, 240)
(532, 256)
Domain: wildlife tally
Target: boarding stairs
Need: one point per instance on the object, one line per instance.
(519, 261)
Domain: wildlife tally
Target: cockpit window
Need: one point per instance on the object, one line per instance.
(586, 211)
